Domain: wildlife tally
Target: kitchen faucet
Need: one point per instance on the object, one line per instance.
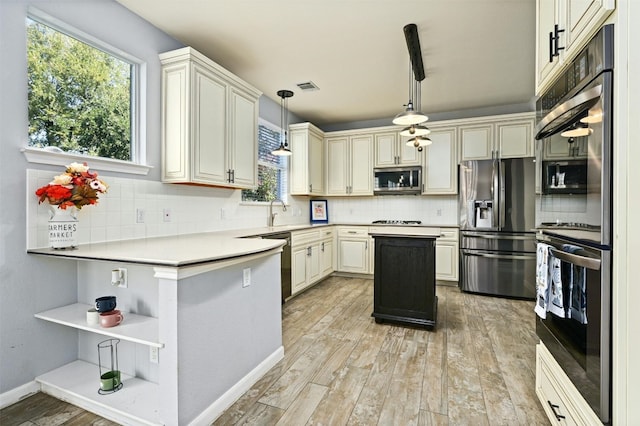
(272, 216)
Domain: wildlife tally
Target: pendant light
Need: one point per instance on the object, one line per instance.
(283, 149)
(410, 116)
(415, 130)
(577, 130)
(419, 142)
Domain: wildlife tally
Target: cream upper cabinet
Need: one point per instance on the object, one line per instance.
(558, 147)
(307, 159)
(515, 138)
(440, 171)
(497, 137)
(391, 150)
(209, 123)
(349, 168)
(563, 28)
(476, 141)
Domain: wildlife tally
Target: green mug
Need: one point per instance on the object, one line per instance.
(110, 380)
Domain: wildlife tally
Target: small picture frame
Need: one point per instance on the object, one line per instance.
(319, 213)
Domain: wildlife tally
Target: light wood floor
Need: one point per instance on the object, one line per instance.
(341, 368)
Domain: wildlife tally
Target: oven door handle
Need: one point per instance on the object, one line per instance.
(585, 98)
(585, 262)
(498, 256)
(498, 237)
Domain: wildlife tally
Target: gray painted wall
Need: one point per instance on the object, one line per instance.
(30, 284)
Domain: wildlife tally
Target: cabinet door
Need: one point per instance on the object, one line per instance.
(353, 255)
(409, 155)
(243, 139)
(547, 15)
(556, 147)
(314, 263)
(326, 258)
(584, 18)
(446, 261)
(298, 269)
(361, 163)
(299, 164)
(337, 166)
(476, 142)
(385, 150)
(316, 164)
(440, 174)
(209, 128)
(515, 139)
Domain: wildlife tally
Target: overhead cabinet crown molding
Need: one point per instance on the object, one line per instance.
(209, 123)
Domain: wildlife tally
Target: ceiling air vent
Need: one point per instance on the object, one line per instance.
(307, 86)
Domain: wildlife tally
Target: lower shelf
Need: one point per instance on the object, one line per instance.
(78, 382)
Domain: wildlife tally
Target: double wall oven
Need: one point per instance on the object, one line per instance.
(574, 218)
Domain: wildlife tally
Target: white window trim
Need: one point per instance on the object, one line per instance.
(138, 109)
(43, 156)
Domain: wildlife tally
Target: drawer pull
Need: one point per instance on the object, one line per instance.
(555, 413)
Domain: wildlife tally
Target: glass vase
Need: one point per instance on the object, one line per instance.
(63, 228)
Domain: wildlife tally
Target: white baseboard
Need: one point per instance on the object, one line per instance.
(17, 394)
(212, 412)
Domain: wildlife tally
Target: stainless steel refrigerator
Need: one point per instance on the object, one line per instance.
(497, 221)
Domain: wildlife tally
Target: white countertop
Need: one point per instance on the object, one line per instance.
(192, 249)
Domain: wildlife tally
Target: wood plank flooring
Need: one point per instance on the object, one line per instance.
(341, 368)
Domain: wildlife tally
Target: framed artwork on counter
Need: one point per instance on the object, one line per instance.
(319, 212)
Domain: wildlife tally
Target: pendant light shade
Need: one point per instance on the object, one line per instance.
(576, 131)
(419, 141)
(283, 149)
(411, 117)
(415, 130)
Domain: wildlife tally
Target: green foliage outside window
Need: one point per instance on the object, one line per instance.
(79, 96)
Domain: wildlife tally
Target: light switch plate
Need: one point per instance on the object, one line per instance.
(246, 277)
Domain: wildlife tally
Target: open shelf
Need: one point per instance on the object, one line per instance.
(78, 383)
(135, 328)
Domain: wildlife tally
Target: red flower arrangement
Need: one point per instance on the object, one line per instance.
(76, 187)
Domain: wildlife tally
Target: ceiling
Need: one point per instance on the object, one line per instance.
(476, 53)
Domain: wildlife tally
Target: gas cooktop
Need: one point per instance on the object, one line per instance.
(397, 222)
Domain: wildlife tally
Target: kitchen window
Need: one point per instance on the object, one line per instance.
(272, 169)
(83, 97)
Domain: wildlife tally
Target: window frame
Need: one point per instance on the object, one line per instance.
(137, 163)
(276, 128)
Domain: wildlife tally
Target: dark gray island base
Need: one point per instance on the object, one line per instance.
(404, 280)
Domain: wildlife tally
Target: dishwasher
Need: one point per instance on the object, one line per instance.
(285, 262)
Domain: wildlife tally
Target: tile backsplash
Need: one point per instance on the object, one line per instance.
(205, 209)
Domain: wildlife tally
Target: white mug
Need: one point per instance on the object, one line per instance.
(93, 317)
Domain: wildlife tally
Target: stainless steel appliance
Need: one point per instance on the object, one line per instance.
(285, 262)
(580, 221)
(497, 238)
(396, 222)
(397, 180)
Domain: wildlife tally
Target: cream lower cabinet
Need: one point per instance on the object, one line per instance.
(440, 170)
(307, 159)
(353, 248)
(209, 123)
(559, 397)
(447, 255)
(311, 257)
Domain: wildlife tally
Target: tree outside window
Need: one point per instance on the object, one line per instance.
(272, 169)
(79, 96)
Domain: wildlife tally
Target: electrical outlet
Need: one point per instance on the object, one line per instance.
(166, 215)
(246, 277)
(439, 212)
(154, 355)
(139, 215)
(119, 278)
(223, 214)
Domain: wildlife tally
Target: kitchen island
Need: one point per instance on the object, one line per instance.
(202, 323)
(404, 276)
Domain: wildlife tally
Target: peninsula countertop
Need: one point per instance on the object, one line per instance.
(193, 249)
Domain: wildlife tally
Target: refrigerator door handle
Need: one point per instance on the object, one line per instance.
(495, 193)
(491, 255)
(501, 195)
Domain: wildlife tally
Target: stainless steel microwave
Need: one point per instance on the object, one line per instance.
(564, 177)
(397, 180)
